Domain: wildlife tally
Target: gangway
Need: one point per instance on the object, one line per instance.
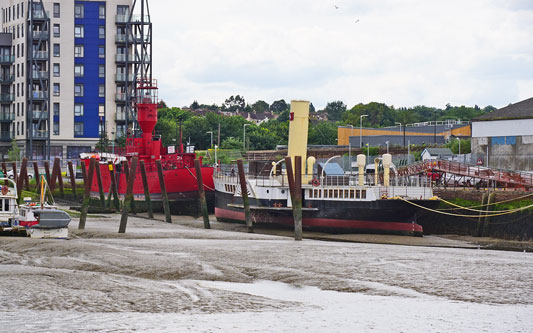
(508, 178)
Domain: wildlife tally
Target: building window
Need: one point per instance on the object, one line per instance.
(78, 31)
(101, 90)
(78, 110)
(101, 70)
(78, 51)
(78, 129)
(56, 50)
(57, 30)
(56, 127)
(56, 70)
(101, 31)
(78, 10)
(101, 12)
(101, 51)
(56, 109)
(56, 89)
(78, 90)
(79, 70)
(101, 110)
(22, 30)
(57, 10)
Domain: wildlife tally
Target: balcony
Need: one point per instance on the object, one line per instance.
(7, 79)
(38, 115)
(120, 116)
(121, 77)
(120, 97)
(7, 59)
(39, 14)
(40, 55)
(122, 18)
(140, 38)
(121, 58)
(40, 134)
(7, 116)
(7, 98)
(122, 38)
(40, 34)
(40, 95)
(36, 75)
(7, 136)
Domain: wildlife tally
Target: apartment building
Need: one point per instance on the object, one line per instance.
(65, 71)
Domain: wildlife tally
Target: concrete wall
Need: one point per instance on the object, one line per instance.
(512, 156)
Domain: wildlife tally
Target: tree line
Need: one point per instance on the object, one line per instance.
(275, 131)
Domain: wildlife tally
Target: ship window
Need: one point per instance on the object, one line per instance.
(319, 193)
(335, 193)
(363, 194)
(330, 194)
(358, 194)
(346, 196)
(6, 205)
(352, 194)
(310, 193)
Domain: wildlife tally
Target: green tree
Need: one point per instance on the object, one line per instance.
(335, 109)
(323, 133)
(14, 153)
(260, 106)
(195, 105)
(379, 115)
(279, 106)
(234, 103)
(231, 143)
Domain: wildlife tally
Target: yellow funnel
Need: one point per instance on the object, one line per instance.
(298, 128)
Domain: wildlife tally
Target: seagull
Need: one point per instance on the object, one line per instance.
(356, 20)
(336, 7)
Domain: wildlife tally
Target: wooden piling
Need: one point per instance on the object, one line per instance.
(114, 186)
(100, 186)
(72, 180)
(26, 178)
(36, 176)
(146, 191)
(52, 182)
(58, 177)
(490, 207)
(47, 173)
(480, 220)
(164, 195)
(15, 175)
(4, 170)
(296, 196)
(245, 199)
(22, 177)
(87, 194)
(128, 199)
(126, 168)
(201, 193)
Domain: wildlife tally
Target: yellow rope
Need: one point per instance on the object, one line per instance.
(491, 204)
(464, 215)
(473, 210)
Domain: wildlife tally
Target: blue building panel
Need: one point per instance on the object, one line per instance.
(91, 61)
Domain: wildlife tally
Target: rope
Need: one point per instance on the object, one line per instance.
(491, 204)
(473, 210)
(212, 189)
(464, 215)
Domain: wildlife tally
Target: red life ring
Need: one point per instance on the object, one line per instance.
(315, 182)
(4, 190)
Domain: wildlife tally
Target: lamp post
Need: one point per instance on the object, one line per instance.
(367, 153)
(361, 129)
(459, 155)
(244, 136)
(113, 142)
(211, 146)
(401, 131)
(387, 142)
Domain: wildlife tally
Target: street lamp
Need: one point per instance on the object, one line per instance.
(211, 146)
(458, 139)
(361, 129)
(244, 136)
(387, 142)
(367, 154)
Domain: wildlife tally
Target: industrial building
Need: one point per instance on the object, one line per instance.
(418, 133)
(67, 73)
(503, 138)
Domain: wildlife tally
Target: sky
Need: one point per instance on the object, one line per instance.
(399, 52)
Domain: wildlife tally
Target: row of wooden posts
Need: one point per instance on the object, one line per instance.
(22, 180)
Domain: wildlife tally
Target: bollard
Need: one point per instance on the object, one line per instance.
(146, 191)
(490, 200)
(100, 186)
(164, 195)
(86, 194)
(114, 185)
(201, 194)
(72, 180)
(479, 226)
(128, 198)
(245, 199)
(47, 173)
(295, 192)
(36, 176)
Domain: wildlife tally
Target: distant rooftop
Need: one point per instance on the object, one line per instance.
(520, 110)
(439, 151)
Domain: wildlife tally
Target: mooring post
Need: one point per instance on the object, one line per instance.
(87, 194)
(146, 191)
(59, 176)
(21, 178)
(479, 226)
(4, 170)
(36, 176)
(295, 197)
(47, 173)
(126, 168)
(114, 185)
(83, 171)
(164, 195)
(245, 199)
(52, 182)
(201, 193)
(490, 200)
(15, 175)
(128, 199)
(26, 178)
(72, 180)
(100, 185)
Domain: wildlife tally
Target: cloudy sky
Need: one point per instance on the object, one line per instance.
(400, 52)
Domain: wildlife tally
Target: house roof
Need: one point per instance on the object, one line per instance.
(520, 110)
(439, 151)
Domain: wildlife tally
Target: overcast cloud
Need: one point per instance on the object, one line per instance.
(402, 53)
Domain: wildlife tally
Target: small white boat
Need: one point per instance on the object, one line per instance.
(9, 212)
